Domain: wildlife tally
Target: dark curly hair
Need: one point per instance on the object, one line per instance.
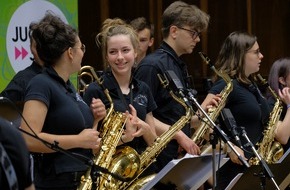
(53, 37)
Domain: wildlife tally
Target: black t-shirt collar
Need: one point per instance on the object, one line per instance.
(53, 74)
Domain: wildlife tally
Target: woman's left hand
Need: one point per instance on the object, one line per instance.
(98, 108)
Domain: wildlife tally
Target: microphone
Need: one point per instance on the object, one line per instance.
(231, 124)
(176, 85)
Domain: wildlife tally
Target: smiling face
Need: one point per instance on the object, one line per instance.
(253, 59)
(120, 54)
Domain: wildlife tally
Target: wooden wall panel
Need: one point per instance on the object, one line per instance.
(270, 22)
(267, 19)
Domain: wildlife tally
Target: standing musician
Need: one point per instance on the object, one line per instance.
(240, 58)
(182, 24)
(55, 113)
(119, 44)
(279, 81)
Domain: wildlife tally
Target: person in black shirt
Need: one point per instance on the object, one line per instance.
(182, 24)
(119, 44)
(15, 90)
(16, 150)
(145, 31)
(279, 81)
(240, 58)
(55, 112)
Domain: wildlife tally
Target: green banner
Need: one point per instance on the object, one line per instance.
(15, 18)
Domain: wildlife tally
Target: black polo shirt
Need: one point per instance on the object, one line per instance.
(249, 109)
(140, 97)
(67, 114)
(15, 90)
(168, 110)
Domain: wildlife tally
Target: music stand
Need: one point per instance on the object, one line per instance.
(187, 173)
(249, 180)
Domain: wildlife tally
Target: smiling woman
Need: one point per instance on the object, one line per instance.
(119, 43)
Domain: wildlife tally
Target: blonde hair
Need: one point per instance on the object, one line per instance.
(113, 27)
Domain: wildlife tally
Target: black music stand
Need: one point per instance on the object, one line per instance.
(187, 173)
(249, 180)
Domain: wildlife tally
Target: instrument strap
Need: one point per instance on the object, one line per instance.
(8, 169)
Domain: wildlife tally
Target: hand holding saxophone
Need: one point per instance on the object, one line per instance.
(99, 111)
(188, 145)
(211, 102)
(89, 138)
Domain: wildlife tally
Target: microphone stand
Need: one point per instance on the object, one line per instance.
(221, 134)
(54, 146)
(265, 168)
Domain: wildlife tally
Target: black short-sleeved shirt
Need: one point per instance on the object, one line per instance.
(168, 110)
(248, 109)
(15, 147)
(142, 101)
(15, 90)
(67, 114)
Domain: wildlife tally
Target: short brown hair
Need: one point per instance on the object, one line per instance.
(180, 14)
(141, 23)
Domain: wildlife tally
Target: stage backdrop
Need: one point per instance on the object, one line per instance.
(15, 17)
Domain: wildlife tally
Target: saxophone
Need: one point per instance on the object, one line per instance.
(111, 132)
(151, 152)
(199, 135)
(269, 149)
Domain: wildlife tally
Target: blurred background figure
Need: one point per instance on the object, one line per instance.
(13, 146)
(145, 31)
(15, 90)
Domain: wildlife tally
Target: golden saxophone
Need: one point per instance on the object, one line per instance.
(111, 132)
(269, 149)
(199, 135)
(84, 78)
(151, 152)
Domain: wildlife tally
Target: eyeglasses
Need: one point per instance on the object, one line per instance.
(83, 48)
(257, 51)
(194, 34)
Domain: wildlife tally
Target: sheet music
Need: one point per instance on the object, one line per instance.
(187, 173)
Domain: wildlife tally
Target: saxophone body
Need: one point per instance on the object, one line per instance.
(269, 149)
(199, 135)
(151, 152)
(111, 132)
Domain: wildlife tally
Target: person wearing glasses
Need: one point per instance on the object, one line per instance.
(62, 127)
(182, 25)
(240, 58)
